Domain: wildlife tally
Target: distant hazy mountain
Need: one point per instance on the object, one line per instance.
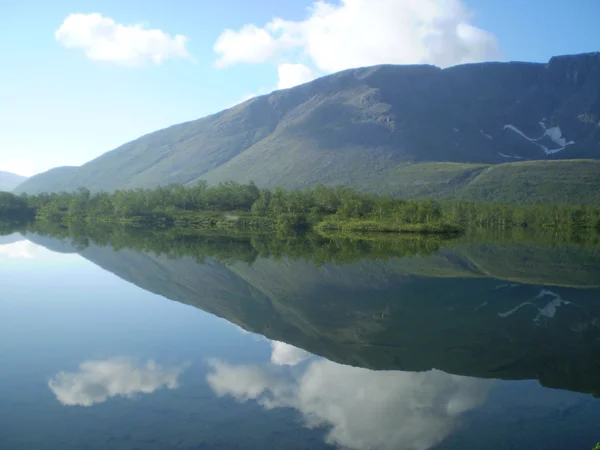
(361, 127)
(9, 181)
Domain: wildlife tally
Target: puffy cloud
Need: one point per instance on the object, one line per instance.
(287, 355)
(102, 39)
(291, 75)
(250, 45)
(363, 409)
(96, 381)
(356, 33)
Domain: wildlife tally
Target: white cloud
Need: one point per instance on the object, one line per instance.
(96, 381)
(356, 33)
(250, 44)
(363, 409)
(291, 75)
(102, 39)
(287, 355)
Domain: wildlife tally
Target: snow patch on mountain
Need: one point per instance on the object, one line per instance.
(516, 130)
(509, 156)
(554, 133)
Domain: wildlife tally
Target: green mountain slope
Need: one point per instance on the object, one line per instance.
(574, 181)
(358, 126)
(60, 178)
(529, 182)
(9, 181)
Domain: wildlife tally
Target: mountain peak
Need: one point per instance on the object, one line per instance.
(359, 125)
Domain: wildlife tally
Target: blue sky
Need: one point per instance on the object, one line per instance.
(74, 87)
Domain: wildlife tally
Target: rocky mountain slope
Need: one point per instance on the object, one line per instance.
(359, 126)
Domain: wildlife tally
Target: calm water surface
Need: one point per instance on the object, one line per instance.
(474, 347)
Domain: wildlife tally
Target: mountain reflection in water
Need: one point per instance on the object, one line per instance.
(435, 309)
(362, 346)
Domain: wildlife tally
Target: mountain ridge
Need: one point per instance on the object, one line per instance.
(361, 123)
(9, 181)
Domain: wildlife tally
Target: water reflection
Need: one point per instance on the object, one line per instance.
(287, 355)
(362, 409)
(417, 313)
(548, 310)
(18, 248)
(97, 381)
(413, 352)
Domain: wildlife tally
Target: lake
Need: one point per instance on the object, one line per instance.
(140, 342)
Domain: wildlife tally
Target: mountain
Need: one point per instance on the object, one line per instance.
(527, 182)
(361, 126)
(60, 179)
(9, 181)
(379, 315)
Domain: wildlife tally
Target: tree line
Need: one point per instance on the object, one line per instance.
(235, 205)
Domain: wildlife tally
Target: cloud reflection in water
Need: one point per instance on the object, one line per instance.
(97, 381)
(363, 409)
(287, 355)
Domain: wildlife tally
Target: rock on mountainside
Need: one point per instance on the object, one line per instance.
(9, 181)
(357, 125)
